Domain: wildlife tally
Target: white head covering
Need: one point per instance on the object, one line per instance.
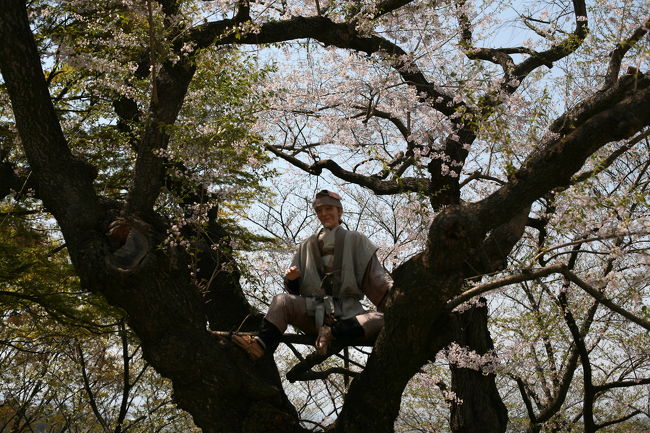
(327, 198)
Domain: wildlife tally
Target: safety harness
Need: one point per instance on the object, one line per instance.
(329, 305)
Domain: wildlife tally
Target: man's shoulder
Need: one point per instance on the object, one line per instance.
(309, 239)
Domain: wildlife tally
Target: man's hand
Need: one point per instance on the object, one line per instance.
(292, 273)
(324, 340)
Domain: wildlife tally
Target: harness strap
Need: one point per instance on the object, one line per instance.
(320, 306)
(339, 243)
(331, 283)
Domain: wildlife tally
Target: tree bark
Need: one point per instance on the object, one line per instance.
(480, 408)
(414, 313)
(214, 381)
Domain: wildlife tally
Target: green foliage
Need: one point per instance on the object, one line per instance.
(62, 350)
(37, 277)
(213, 144)
(97, 58)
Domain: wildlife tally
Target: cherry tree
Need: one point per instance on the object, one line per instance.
(501, 119)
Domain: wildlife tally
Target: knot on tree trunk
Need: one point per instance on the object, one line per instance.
(129, 241)
(451, 236)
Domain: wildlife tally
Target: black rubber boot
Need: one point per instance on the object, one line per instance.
(347, 328)
(270, 336)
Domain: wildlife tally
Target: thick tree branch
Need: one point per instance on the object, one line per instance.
(526, 275)
(607, 116)
(64, 184)
(524, 396)
(324, 30)
(171, 84)
(621, 384)
(618, 420)
(388, 6)
(499, 56)
(374, 183)
(571, 43)
(616, 57)
(477, 175)
(580, 177)
(169, 7)
(243, 11)
(491, 255)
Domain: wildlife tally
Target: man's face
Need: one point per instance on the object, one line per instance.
(329, 216)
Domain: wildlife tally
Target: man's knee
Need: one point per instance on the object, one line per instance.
(372, 322)
(292, 306)
(281, 300)
(280, 311)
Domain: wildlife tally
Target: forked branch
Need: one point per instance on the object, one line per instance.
(373, 183)
(619, 52)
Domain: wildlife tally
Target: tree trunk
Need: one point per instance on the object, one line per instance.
(214, 381)
(479, 408)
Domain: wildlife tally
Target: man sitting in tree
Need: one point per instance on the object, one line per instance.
(329, 275)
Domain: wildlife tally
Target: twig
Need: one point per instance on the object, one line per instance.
(603, 300)
(526, 275)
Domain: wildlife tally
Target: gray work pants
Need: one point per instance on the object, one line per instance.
(289, 309)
